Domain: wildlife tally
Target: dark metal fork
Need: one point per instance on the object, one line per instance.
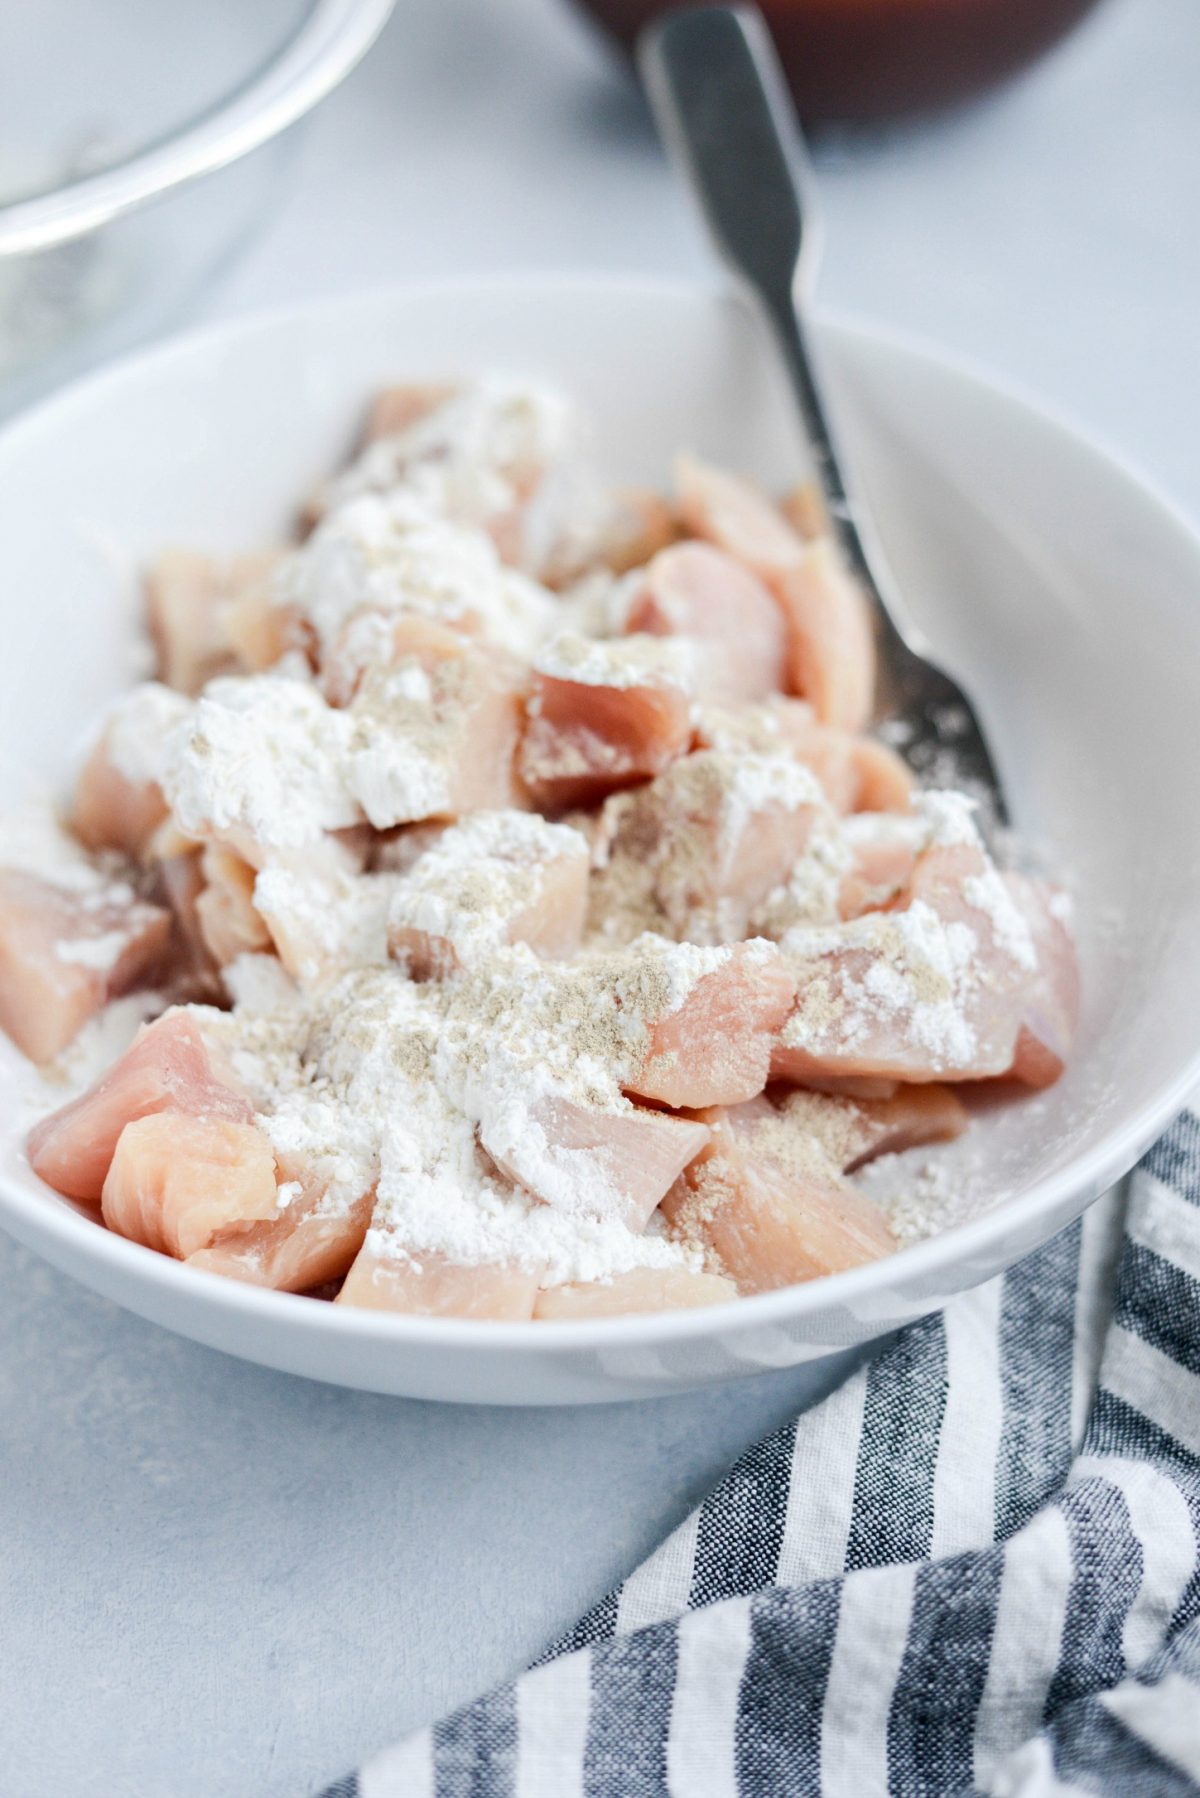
(718, 97)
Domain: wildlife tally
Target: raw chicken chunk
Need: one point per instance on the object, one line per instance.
(64, 954)
(773, 1218)
(168, 1068)
(696, 852)
(440, 741)
(715, 1047)
(303, 1243)
(187, 598)
(641, 1289)
(404, 404)
(733, 622)
(857, 773)
(940, 987)
(831, 643)
(229, 924)
(119, 802)
(493, 878)
(175, 1182)
(430, 1286)
(325, 923)
(602, 716)
(611, 1164)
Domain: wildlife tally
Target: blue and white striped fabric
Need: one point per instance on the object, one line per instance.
(974, 1568)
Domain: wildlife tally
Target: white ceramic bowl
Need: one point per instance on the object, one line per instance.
(1066, 594)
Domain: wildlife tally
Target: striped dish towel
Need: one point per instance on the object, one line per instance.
(974, 1568)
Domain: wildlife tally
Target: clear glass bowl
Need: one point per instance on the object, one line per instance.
(140, 143)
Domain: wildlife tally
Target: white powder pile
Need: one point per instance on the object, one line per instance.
(380, 557)
(138, 729)
(264, 757)
(471, 458)
(356, 1082)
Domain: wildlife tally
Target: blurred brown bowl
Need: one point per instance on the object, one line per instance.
(852, 61)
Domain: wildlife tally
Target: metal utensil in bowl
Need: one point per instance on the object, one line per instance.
(719, 100)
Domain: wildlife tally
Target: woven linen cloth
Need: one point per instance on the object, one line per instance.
(973, 1568)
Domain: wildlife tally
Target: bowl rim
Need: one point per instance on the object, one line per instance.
(315, 57)
(1083, 1178)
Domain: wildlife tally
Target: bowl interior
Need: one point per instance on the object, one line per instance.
(1063, 593)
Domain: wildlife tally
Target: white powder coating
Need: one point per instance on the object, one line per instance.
(383, 556)
(263, 755)
(949, 818)
(325, 922)
(138, 729)
(482, 876)
(987, 893)
(638, 660)
(471, 458)
(267, 763)
(259, 983)
(99, 953)
(352, 1081)
(671, 855)
(909, 971)
(403, 741)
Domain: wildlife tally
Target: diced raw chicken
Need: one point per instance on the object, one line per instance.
(168, 1068)
(694, 854)
(1051, 1013)
(187, 596)
(494, 878)
(940, 987)
(261, 629)
(440, 741)
(730, 511)
(831, 644)
(601, 717)
(613, 1164)
(805, 510)
(325, 923)
(229, 924)
(119, 802)
(715, 1049)
(430, 1286)
(831, 654)
(772, 1225)
(109, 811)
(64, 954)
(193, 972)
(885, 782)
(857, 773)
(176, 1182)
(404, 404)
(883, 847)
(634, 523)
(305, 1243)
(854, 1130)
(641, 1289)
(696, 591)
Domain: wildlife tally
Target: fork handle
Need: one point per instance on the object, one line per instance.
(719, 100)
